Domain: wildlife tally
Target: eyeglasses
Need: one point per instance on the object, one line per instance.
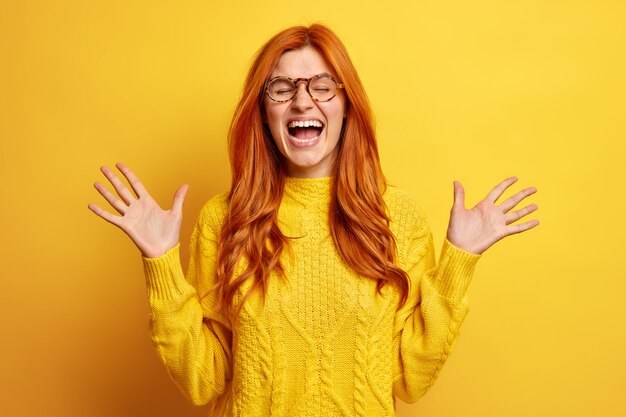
(322, 87)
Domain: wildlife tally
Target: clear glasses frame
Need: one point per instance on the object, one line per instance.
(296, 81)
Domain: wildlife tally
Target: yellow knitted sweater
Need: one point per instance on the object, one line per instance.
(324, 343)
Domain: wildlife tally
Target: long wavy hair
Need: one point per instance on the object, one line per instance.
(358, 219)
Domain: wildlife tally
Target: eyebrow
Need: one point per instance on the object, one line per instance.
(306, 78)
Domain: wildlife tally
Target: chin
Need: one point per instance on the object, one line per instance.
(312, 166)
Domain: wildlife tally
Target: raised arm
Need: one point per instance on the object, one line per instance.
(427, 327)
(191, 339)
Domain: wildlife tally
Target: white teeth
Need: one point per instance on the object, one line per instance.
(303, 140)
(305, 123)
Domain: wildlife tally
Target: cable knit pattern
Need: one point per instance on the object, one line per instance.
(278, 392)
(360, 369)
(325, 342)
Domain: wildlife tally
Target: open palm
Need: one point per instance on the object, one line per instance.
(476, 229)
(153, 230)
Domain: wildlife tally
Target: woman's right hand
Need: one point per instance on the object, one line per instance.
(153, 230)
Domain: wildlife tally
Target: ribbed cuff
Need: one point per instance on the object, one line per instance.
(455, 270)
(165, 279)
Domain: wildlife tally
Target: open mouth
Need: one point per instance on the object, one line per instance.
(305, 130)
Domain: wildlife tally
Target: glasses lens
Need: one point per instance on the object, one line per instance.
(323, 88)
(281, 89)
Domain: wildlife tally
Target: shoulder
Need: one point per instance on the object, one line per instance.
(408, 223)
(407, 219)
(213, 214)
(403, 207)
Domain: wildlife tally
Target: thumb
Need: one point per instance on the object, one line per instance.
(179, 198)
(459, 196)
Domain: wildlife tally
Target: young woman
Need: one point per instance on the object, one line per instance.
(312, 287)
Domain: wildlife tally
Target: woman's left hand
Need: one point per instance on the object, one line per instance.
(475, 230)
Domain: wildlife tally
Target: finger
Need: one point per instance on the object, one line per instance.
(499, 189)
(518, 228)
(113, 200)
(518, 214)
(111, 218)
(459, 196)
(512, 201)
(179, 199)
(133, 180)
(121, 189)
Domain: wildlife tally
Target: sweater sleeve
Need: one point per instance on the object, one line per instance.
(427, 326)
(192, 340)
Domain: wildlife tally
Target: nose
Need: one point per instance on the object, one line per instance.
(302, 100)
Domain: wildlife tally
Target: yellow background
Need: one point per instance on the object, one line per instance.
(468, 90)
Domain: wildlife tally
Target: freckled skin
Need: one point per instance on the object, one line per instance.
(302, 160)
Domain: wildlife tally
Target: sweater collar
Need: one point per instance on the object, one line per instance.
(309, 190)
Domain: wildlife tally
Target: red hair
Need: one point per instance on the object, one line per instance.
(358, 219)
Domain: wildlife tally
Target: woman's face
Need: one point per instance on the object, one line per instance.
(309, 151)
